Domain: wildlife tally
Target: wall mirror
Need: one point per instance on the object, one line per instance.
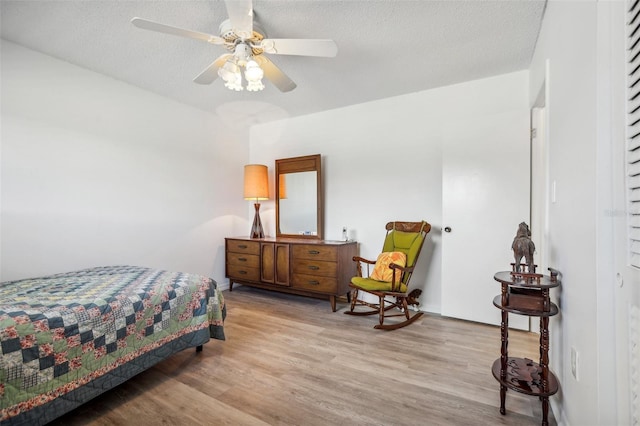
(299, 197)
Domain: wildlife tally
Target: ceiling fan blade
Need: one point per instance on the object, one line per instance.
(209, 74)
(168, 29)
(241, 17)
(303, 47)
(274, 75)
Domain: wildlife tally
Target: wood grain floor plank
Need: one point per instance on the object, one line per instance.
(289, 360)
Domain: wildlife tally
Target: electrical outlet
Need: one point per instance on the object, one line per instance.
(575, 359)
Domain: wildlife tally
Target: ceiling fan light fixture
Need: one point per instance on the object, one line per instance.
(253, 72)
(229, 71)
(254, 86)
(234, 83)
(242, 52)
(243, 37)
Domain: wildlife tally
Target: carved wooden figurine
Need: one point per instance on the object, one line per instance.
(523, 247)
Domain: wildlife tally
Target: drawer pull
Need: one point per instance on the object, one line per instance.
(313, 282)
(314, 267)
(314, 252)
(242, 246)
(242, 272)
(242, 259)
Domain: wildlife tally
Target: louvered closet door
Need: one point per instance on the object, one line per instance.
(626, 145)
(633, 133)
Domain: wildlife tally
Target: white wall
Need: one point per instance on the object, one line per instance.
(97, 172)
(567, 61)
(382, 161)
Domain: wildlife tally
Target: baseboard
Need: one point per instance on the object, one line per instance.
(558, 413)
(430, 308)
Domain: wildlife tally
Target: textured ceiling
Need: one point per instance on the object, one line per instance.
(385, 48)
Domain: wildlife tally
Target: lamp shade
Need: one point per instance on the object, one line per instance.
(282, 187)
(256, 182)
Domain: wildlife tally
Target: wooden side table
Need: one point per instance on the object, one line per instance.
(526, 294)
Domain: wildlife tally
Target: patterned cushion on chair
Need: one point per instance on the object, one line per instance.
(382, 271)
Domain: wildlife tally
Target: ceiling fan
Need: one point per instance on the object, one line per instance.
(247, 44)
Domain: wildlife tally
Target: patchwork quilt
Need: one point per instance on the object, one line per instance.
(94, 329)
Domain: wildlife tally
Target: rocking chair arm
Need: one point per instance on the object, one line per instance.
(399, 271)
(359, 261)
(362, 259)
(402, 269)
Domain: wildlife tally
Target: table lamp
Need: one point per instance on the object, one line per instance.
(256, 187)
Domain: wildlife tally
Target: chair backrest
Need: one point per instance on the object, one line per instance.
(406, 237)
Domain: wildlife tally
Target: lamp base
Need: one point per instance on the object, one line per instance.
(256, 228)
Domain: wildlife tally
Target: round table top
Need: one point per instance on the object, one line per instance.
(522, 280)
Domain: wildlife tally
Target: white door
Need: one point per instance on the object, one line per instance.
(485, 195)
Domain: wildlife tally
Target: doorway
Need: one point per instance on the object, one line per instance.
(540, 189)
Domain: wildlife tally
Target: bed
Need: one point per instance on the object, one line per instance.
(67, 338)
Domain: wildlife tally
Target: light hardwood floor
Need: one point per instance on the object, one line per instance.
(289, 360)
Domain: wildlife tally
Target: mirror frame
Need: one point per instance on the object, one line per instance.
(308, 163)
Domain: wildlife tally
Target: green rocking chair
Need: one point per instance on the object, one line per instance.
(389, 280)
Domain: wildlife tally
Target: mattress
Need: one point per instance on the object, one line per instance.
(66, 338)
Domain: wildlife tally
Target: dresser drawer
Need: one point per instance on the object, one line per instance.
(246, 247)
(243, 273)
(315, 283)
(316, 252)
(243, 260)
(315, 267)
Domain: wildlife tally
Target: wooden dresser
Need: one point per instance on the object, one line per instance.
(307, 267)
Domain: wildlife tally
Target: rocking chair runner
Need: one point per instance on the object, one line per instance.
(404, 237)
